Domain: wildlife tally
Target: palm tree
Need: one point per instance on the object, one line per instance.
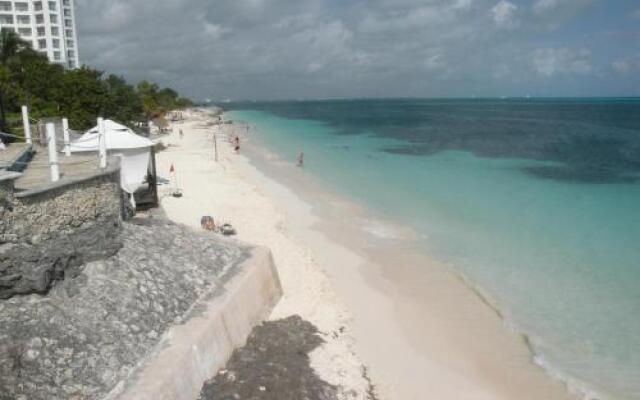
(11, 46)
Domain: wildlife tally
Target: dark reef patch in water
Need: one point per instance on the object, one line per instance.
(592, 140)
(578, 159)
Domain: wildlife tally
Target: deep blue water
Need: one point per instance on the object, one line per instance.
(536, 201)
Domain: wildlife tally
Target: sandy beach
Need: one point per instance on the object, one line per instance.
(420, 331)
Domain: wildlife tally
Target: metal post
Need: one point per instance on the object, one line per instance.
(153, 178)
(65, 133)
(215, 145)
(53, 153)
(26, 125)
(102, 144)
(3, 120)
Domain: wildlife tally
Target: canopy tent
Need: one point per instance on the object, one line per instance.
(134, 151)
(117, 136)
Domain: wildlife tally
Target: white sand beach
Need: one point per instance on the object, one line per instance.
(223, 191)
(419, 330)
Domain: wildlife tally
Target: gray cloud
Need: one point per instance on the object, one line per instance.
(622, 66)
(505, 14)
(327, 48)
(550, 62)
(553, 13)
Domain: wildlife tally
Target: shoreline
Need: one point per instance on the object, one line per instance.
(537, 381)
(410, 352)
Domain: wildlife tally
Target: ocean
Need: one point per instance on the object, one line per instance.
(535, 201)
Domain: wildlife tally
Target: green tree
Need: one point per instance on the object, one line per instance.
(40, 84)
(156, 102)
(148, 93)
(11, 46)
(81, 96)
(122, 102)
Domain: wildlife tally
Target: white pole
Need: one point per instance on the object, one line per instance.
(53, 154)
(65, 133)
(26, 125)
(215, 145)
(102, 144)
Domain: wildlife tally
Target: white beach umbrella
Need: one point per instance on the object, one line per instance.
(133, 150)
(117, 136)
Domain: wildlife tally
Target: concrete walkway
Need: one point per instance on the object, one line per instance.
(38, 172)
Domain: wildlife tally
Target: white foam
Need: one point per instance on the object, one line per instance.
(575, 386)
(381, 230)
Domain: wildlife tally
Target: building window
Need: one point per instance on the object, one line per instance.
(52, 6)
(5, 6)
(67, 23)
(23, 19)
(67, 13)
(39, 19)
(6, 19)
(72, 64)
(37, 6)
(66, 3)
(70, 44)
(56, 43)
(56, 55)
(68, 33)
(42, 44)
(23, 7)
(25, 31)
(55, 31)
(71, 54)
(53, 18)
(41, 31)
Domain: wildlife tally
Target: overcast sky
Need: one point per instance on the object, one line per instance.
(274, 49)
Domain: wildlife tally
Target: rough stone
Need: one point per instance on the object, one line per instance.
(46, 235)
(91, 330)
(273, 365)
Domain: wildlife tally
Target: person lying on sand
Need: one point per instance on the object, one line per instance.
(207, 223)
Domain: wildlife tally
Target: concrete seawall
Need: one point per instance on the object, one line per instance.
(194, 351)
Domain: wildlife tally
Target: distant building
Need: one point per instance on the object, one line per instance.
(49, 25)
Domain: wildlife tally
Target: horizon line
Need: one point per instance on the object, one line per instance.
(526, 97)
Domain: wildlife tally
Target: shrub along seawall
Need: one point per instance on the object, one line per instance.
(46, 234)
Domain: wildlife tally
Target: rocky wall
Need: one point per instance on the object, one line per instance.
(48, 233)
(91, 332)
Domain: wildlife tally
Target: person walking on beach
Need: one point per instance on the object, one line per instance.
(300, 159)
(236, 144)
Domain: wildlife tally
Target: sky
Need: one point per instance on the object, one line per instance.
(312, 49)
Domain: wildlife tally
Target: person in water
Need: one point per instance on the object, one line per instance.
(301, 159)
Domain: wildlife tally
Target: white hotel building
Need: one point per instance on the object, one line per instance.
(49, 25)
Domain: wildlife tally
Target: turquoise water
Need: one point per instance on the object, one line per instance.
(548, 230)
